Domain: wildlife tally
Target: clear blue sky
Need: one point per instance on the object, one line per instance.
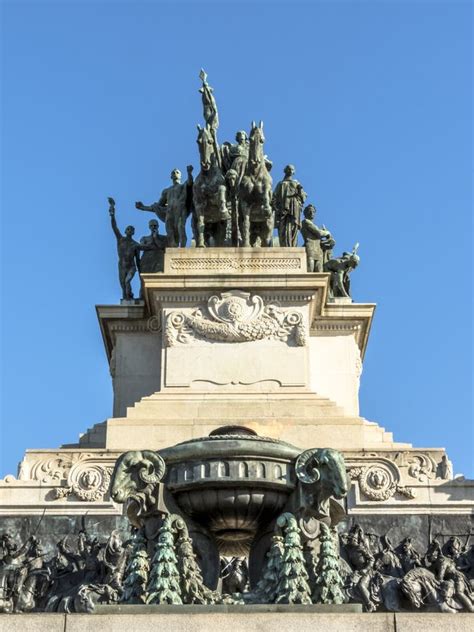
(372, 101)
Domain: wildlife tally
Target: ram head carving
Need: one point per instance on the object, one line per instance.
(135, 483)
(322, 474)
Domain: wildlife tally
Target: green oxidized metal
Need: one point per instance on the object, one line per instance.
(232, 482)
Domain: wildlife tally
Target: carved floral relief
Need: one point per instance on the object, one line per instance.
(235, 317)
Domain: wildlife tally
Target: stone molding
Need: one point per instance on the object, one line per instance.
(324, 327)
(234, 264)
(234, 260)
(198, 618)
(337, 327)
(168, 291)
(175, 297)
(406, 468)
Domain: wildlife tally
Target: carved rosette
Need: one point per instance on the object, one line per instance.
(235, 317)
(379, 481)
(87, 481)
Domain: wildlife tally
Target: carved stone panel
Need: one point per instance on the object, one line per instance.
(86, 481)
(236, 338)
(81, 475)
(235, 317)
(235, 261)
(378, 478)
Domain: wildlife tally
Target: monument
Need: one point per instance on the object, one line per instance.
(236, 469)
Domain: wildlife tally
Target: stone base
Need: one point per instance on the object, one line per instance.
(247, 621)
(306, 341)
(319, 608)
(295, 416)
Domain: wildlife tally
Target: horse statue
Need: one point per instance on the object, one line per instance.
(255, 193)
(423, 590)
(209, 193)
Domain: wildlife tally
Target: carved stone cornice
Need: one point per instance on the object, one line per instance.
(279, 275)
(290, 287)
(114, 318)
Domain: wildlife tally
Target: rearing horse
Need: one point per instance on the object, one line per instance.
(256, 193)
(209, 193)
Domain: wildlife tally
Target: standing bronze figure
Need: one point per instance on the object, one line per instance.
(318, 242)
(174, 207)
(288, 200)
(152, 260)
(128, 250)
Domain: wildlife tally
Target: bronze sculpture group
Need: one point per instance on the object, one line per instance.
(164, 566)
(151, 246)
(231, 203)
(234, 518)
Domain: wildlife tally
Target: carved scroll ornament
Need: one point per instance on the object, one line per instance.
(235, 317)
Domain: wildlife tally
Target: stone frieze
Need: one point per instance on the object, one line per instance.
(235, 317)
(234, 263)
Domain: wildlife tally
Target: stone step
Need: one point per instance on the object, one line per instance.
(93, 437)
(347, 433)
(212, 396)
(298, 416)
(261, 421)
(276, 426)
(233, 406)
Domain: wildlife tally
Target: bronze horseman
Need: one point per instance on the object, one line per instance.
(236, 156)
(211, 116)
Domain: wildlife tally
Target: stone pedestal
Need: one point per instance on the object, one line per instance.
(240, 337)
(152, 349)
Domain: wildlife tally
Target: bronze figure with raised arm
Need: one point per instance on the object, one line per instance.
(174, 207)
(128, 250)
